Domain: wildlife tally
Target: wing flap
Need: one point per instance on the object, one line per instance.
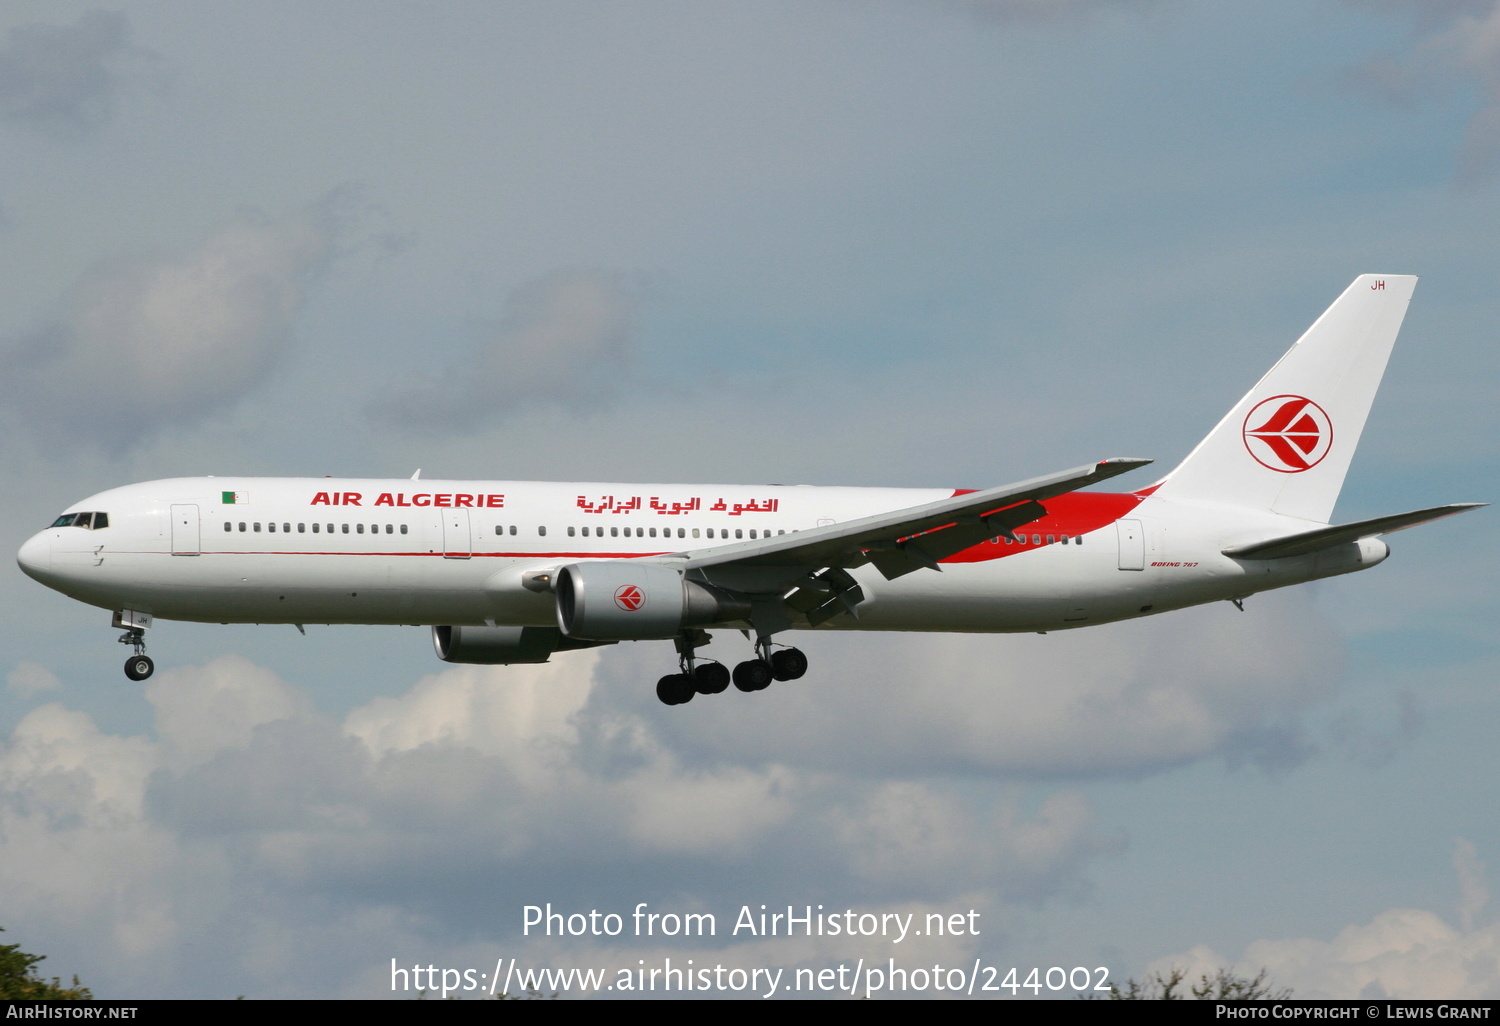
(1338, 534)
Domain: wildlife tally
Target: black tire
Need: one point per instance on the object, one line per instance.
(139, 667)
(753, 675)
(666, 689)
(788, 663)
(710, 678)
(675, 689)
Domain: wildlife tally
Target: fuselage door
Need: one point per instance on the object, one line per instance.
(456, 541)
(1132, 545)
(185, 531)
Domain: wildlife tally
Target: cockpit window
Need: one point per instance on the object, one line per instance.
(88, 521)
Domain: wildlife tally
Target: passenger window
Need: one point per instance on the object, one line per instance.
(271, 528)
(681, 533)
(1036, 539)
(695, 532)
(653, 532)
(242, 527)
(257, 527)
(542, 531)
(346, 528)
(570, 532)
(614, 532)
(286, 528)
(315, 528)
(360, 528)
(1051, 538)
(302, 528)
(738, 533)
(390, 529)
(228, 527)
(403, 528)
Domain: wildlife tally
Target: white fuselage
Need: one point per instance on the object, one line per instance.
(319, 550)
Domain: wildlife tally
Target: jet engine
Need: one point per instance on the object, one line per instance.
(626, 600)
(500, 645)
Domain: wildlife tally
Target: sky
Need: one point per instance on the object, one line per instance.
(950, 243)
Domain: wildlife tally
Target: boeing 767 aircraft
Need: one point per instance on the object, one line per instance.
(514, 571)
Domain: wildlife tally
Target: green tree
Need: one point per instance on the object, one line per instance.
(20, 982)
(1173, 985)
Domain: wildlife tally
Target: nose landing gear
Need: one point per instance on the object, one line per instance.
(135, 624)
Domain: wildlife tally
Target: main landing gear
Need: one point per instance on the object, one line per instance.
(710, 678)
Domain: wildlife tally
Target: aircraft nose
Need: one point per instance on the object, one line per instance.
(35, 557)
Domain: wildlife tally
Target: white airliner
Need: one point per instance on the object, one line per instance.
(514, 571)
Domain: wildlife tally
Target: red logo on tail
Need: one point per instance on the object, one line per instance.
(1288, 434)
(629, 598)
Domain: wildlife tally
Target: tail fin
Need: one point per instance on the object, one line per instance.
(1286, 446)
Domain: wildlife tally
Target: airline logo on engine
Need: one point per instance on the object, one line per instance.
(629, 597)
(1288, 434)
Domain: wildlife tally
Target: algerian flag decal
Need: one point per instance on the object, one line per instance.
(235, 498)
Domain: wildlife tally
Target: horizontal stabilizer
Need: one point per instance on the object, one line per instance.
(1337, 534)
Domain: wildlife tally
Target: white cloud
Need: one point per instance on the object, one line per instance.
(141, 344)
(1456, 39)
(251, 833)
(204, 710)
(1402, 953)
(67, 77)
(565, 337)
(1475, 892)
(29, 678)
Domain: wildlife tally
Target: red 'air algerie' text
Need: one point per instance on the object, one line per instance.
(446, 499)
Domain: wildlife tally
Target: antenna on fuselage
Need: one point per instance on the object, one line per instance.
(417, 474)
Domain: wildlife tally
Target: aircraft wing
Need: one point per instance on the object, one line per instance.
(807, 572)
(1337, 534)
(909, 539)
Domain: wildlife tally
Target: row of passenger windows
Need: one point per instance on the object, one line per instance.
(98, 520)
(302, 528)
(645, 532)
(666, 532)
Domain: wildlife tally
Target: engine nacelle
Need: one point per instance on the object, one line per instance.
(502, 645)
(620, 600)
